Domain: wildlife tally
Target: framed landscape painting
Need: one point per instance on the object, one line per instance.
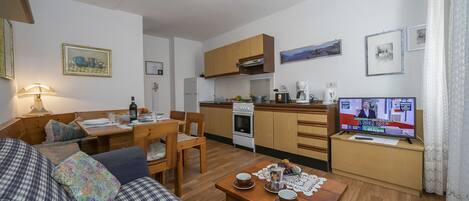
(330, 48)
(86, 61)
(384, 53)
(7, 65)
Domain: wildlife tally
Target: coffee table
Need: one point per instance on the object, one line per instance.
(331, 190)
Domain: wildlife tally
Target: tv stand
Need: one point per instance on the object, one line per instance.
(379, 164)
(409, 141)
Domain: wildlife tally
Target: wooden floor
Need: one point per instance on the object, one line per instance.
(224, 159)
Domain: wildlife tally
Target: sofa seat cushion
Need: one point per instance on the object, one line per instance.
(57, 152)
(144, 188)
(25, 174)
(85, 178)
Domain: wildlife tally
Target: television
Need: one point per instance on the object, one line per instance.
(388, 116)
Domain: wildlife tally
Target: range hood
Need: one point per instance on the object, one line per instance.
(251, 62)
(255, 65)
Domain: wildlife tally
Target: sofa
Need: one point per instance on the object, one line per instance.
(25, 174)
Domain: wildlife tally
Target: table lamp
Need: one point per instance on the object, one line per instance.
(37, 90)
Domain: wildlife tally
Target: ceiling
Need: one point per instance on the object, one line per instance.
(194, 19)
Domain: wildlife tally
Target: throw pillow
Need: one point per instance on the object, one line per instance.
(57, 152)
(86, 179)
(57, 131)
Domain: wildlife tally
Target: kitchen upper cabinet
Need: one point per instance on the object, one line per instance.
(285, 131)
(244, 50)
(209, 63)
(256, 45)
(231, 58)
(224, 60)
(264, 128)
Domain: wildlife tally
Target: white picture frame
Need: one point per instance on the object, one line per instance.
(384, 53)
(153, 68)
(416, 37)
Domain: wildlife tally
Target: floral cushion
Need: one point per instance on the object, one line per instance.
(86, 179)
(57, 131)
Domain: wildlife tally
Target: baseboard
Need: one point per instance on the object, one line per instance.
(219, 138)
(302, 160)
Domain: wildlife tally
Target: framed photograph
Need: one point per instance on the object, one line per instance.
(7, 64)
(384, 53)
(330, 48)
(416, 37)
(86, 61)
(153, 68)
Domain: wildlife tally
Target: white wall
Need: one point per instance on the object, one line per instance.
(313, 22)
(188, 61)
(7, 100)
(157, 49)
(38, 56)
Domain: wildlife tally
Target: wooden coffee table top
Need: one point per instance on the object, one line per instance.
(331, 190)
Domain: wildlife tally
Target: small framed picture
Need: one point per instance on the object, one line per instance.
(384, 53)
(153, 68)
(416, 37)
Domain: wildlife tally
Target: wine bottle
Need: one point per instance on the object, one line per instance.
(133, 110)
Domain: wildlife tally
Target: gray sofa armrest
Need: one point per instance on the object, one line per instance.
(125, 164)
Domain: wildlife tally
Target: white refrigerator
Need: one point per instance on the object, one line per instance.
(197, 89)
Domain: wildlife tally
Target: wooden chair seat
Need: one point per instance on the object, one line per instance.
(184, 137)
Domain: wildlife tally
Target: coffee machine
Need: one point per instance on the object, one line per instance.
(302, 92)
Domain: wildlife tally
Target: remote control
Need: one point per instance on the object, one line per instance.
(363, 138)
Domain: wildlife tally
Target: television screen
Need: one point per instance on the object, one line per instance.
(384, 116)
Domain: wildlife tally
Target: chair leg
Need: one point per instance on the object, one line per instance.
(184, 157)
(203, 158)
(179, 175)
(160, 177)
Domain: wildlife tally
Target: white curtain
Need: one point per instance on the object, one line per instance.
(435, 100)
(458, 85)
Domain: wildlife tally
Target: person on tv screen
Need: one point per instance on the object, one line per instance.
(366, 112)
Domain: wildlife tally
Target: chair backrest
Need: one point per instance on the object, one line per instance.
(197, 118)
(144, 134)
(179, 115)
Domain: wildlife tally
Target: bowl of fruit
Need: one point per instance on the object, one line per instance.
(290, 168)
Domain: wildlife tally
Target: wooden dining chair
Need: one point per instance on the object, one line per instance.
(178, 115)
(186, 141)
(160, 156)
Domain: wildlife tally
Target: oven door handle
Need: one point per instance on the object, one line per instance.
(251, 114)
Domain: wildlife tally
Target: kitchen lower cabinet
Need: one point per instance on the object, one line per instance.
(264, 128)
(285, 131)
(218, 121)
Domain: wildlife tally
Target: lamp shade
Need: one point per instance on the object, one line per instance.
(37, 89)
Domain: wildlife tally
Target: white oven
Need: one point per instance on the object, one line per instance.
(243, 125)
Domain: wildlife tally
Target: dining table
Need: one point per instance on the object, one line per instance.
(114, 135)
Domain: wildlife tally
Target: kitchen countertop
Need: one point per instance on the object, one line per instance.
(270, 104)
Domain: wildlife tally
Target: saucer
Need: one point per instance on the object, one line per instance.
(278, 199)
(235, 184)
